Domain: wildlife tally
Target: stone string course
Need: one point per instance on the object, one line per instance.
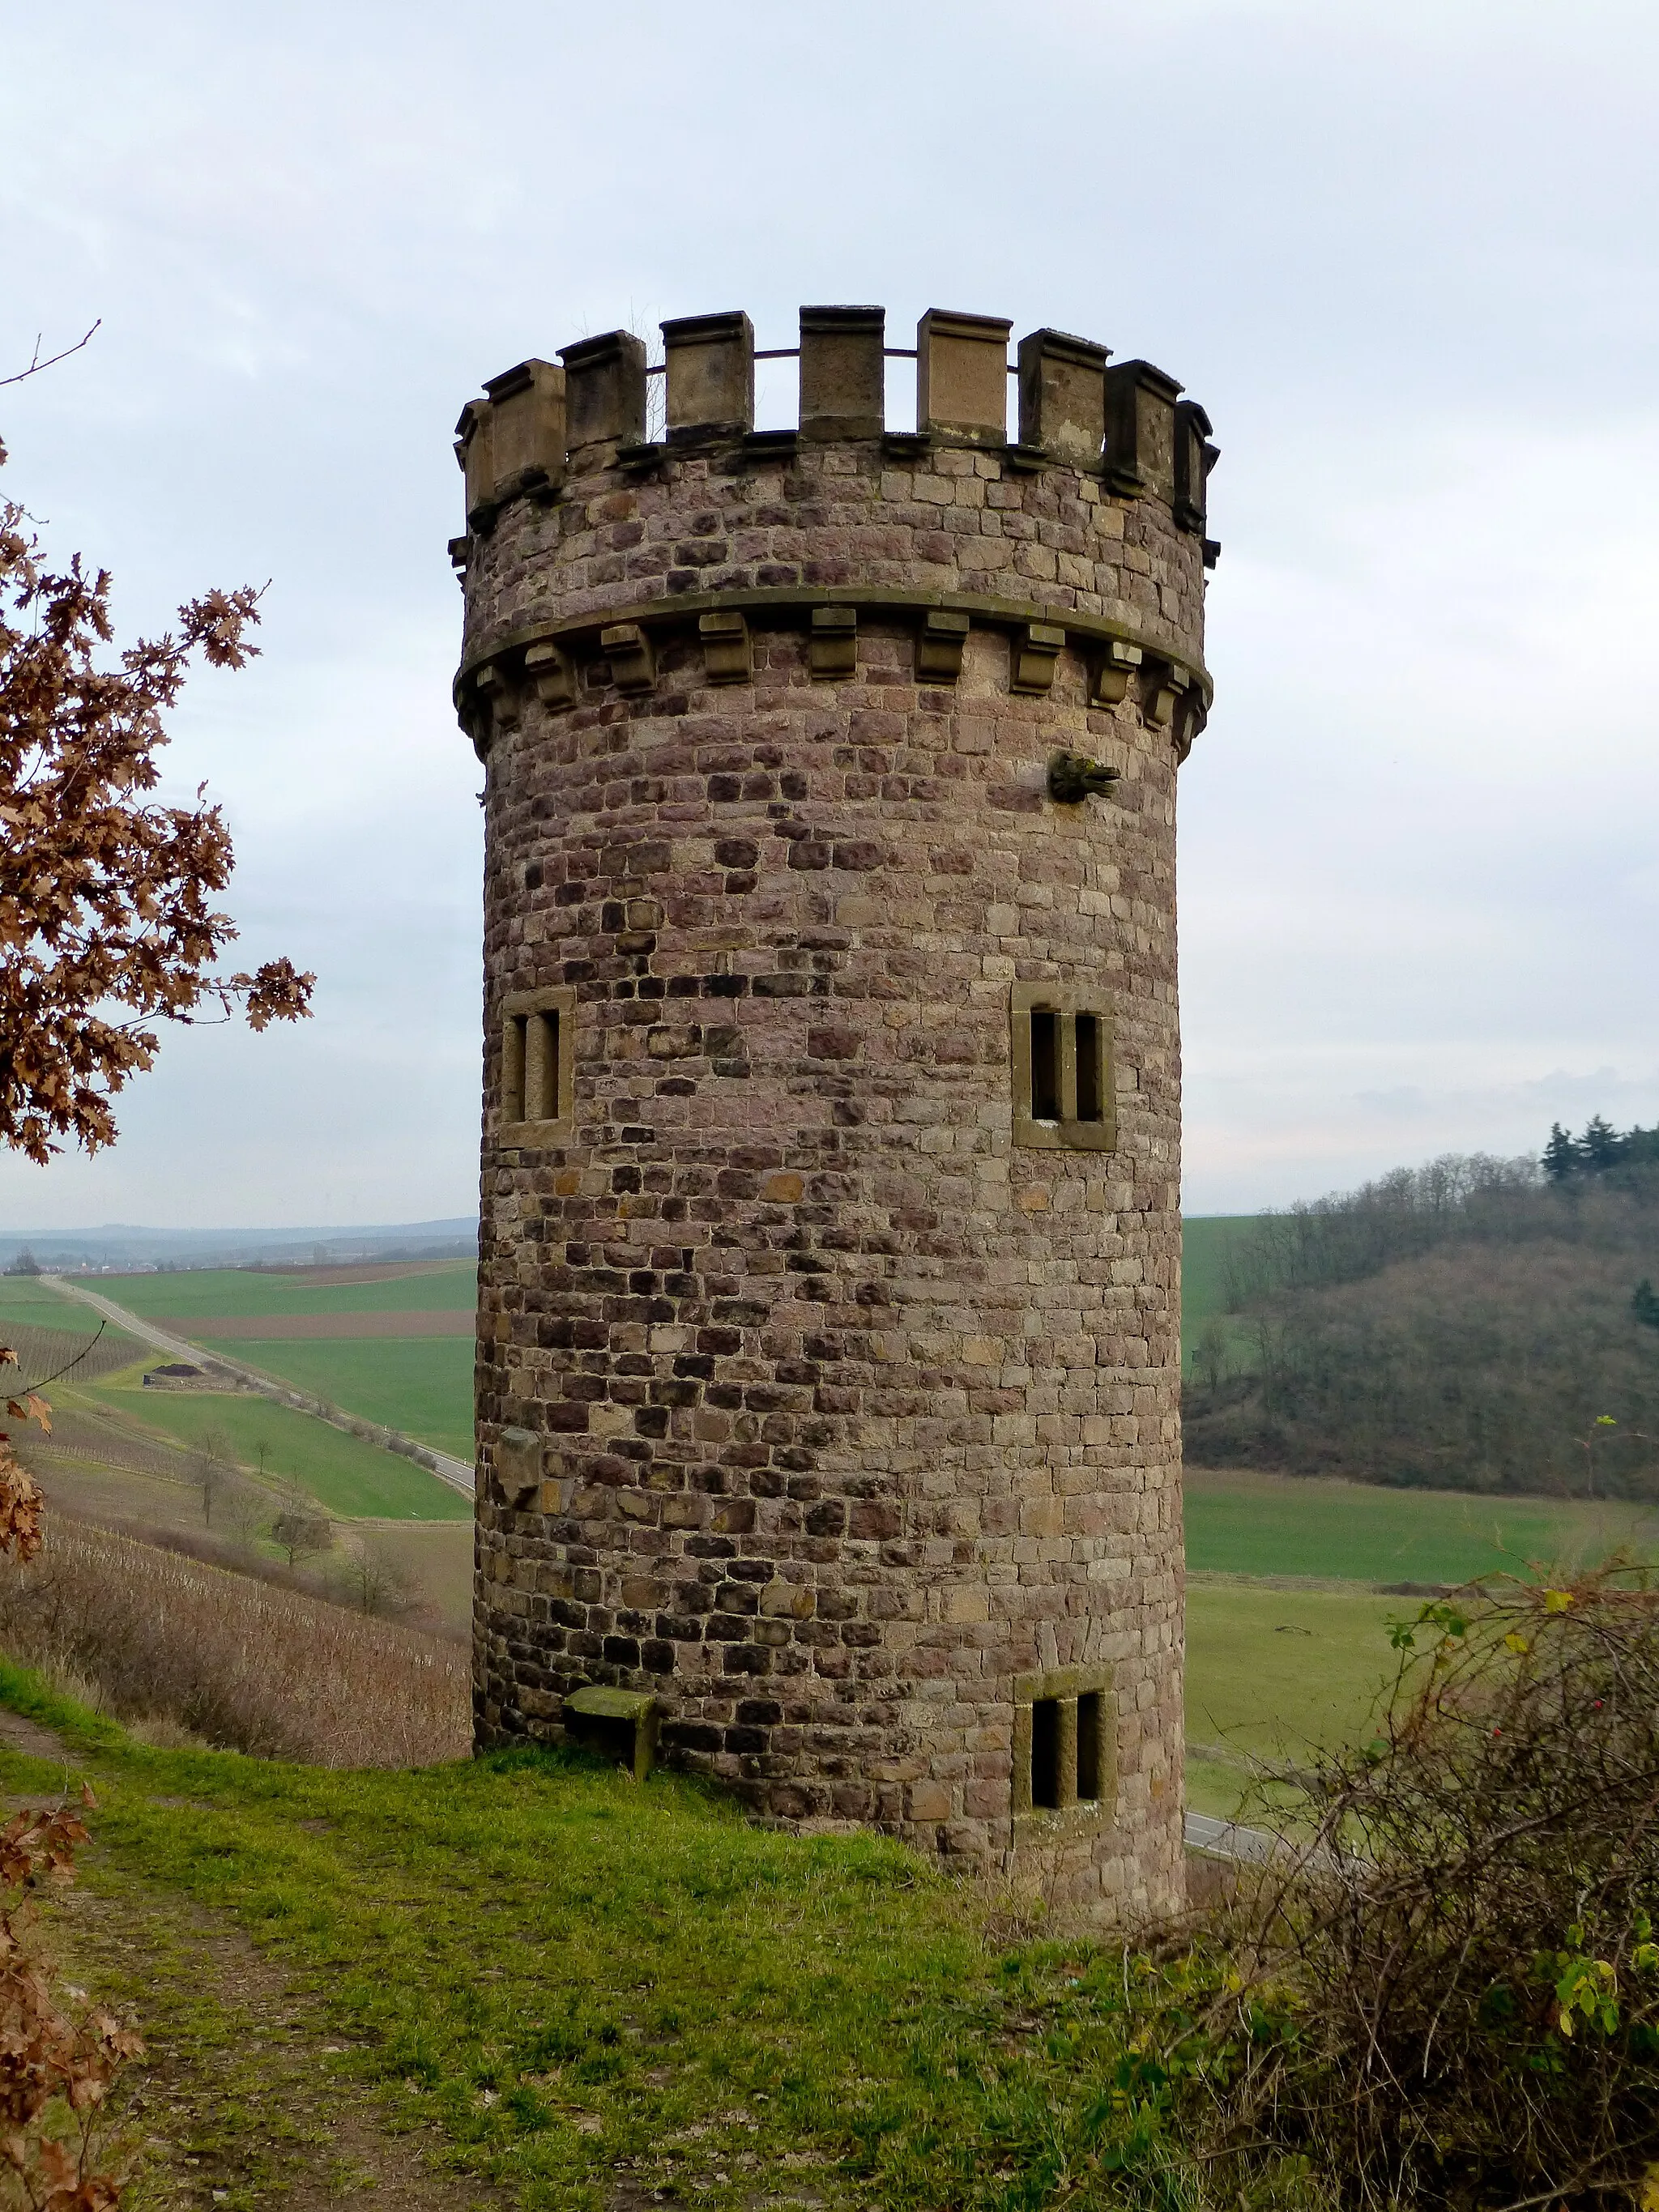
(845, 1412)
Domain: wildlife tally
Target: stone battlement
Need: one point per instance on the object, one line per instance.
(1126, 423)
(1092, 519)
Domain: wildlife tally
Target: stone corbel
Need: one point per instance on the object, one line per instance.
(1111, 685)
(1162, 685)
(834, 650)
(1190, 718)
(1034, 649)
(498, 696)
(939, 648)
(727, 657)
(553, 673)
(628, 648)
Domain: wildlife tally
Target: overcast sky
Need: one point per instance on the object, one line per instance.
(1404, 253)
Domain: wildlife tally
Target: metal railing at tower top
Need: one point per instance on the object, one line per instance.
(660, 369)
(792, 353)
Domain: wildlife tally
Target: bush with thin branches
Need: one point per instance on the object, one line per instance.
(1447, 1992)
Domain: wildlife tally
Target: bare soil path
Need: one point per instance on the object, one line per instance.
(244, 2098)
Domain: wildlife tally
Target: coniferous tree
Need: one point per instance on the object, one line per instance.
(1601, 1145)
(1560, 1154)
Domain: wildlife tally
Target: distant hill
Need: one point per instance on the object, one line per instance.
(121, 1244)
(1475, 1324)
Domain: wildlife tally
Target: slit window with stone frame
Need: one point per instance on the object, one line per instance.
(538, 1057)
(1064, 1090)
(1065, 1743)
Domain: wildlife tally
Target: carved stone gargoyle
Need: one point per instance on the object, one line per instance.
(1073, 777)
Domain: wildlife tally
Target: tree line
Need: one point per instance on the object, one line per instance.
(1475, 1324)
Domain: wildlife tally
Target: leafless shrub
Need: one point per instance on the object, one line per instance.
(241, 1664)
(1448, 1993)
(371, 1582)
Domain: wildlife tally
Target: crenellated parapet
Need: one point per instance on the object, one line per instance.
(1091, 519)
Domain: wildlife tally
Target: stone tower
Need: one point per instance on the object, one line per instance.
(828, 1310)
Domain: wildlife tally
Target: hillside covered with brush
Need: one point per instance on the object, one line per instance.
(1477, 1324)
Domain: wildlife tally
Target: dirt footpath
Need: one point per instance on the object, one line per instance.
(244, 2099)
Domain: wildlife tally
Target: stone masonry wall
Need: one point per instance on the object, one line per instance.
(846, 1411)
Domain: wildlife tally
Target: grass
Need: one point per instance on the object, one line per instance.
(422, 1385)
(430, 1286)
(1272, 1524)
(1271, 1672)
(345, 1474)
(592, 1989)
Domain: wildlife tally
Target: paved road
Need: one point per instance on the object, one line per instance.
(1226, 1840)
(455, 1472)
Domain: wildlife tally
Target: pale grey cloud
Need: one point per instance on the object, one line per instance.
(1404, 253)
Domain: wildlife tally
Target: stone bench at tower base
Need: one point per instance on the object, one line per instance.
(619, 1724)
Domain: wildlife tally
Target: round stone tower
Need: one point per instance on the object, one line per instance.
(829, 1328)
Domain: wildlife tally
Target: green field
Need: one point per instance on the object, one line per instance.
(429, 1286)
(33, 1304)
(1278, 1524)
(1271, 1673)
(345, 1475)
(422, 1385)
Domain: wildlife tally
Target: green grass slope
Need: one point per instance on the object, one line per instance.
(596, 1992)
(345, 1474)
(1205, 1241)
(26, 1303)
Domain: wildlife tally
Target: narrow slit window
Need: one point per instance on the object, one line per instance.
(536, 1058)
(1065, 1090)
(1090, 1089)
(540, 1066)
(1045, 1753)
(1045, 1064)
(1088, 1747)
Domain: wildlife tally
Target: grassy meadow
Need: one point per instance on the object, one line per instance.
(422, 1386)
(1251, 1523)
(419, 1383)
(346, 1476)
